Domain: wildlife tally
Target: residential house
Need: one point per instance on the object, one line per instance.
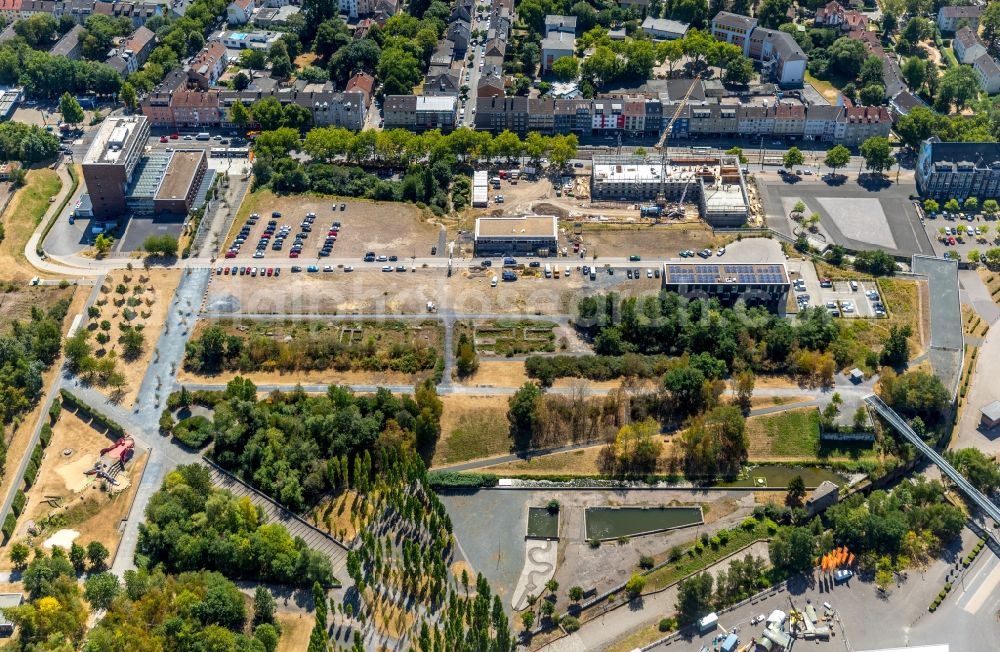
(444, 54)
(442, 81)
(556, 45)
(274, 17)
(239, 11)
(70, 45)
(967, 45)
(491, 82)
(132, 54)
(254, 40)
(903, 103)
(460, 34)
(950, 16)
(829, 15)
(988, 73)
(821, 122)
(327, 108)
(555, 23)
(959, 170)
(419, 113)
(362, 83)
(859, 123)
(541, 115)
(639, 5)
(663, 29)
(463, 10)
(572, 116)
(608, 115)
(734, 28)
(144, 11)
(206, 66)
(496, 50)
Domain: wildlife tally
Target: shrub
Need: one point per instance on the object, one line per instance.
(646, 562)
(570, 624)
(167, 422)
(439, 479)
(9, 524)
(749, 523)
(54, 411)
(594, 543)
(19, 501)
(194, 431)
(668, 624)
(45, 436)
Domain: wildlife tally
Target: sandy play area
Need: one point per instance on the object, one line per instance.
(63, 538)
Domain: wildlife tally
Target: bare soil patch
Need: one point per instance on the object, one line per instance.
(648, 240)
(151, 291)
(497, 373)
(295, 630)
(340, 516)
(384, 227)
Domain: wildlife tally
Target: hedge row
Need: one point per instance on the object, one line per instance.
(446, 479)
(78, 404)
(46, 435)
(203, 397)
(54, 411)
(975, 553)
(20, 500)
(9, 524)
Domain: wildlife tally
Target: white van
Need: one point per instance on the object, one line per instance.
(493, 282)
(203, 136)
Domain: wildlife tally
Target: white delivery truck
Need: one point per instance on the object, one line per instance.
(548, 270)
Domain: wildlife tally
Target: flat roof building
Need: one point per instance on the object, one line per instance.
(990, 415)
(528, 234)
(7, 601)
(181, 182)
(959, 170)
(111, 161)
(755, 284)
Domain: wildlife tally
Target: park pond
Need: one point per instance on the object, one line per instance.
(543, 523)
(614, 522)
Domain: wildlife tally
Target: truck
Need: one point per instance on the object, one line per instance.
(708, 623)
(548, 270)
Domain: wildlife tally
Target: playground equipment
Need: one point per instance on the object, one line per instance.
(113, 459)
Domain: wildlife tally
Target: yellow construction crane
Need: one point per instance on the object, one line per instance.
(677, 113)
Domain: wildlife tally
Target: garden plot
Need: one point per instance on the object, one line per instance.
(512, 337)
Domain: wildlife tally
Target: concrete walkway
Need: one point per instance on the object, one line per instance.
(982, 390)
(975, 293)
(600, 633)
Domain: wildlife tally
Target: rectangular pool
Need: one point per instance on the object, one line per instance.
(614, 522)
(542, 524)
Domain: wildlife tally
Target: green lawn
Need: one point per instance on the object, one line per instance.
(792, 433)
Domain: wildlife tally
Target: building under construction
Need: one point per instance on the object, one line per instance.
(714, 183)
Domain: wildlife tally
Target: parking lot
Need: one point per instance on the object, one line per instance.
(957, 237)
(385, 229)
(848, 299)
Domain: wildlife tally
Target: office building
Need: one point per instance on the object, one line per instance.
(111, 161)
(755, 284)
(958, 170)
(531, 234)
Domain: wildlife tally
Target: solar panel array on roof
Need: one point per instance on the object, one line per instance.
(762, 274)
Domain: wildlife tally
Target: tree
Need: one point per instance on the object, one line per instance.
(523, 412)
(239, 114)
(792, 158)
(917, 29)
(837, 157)
(772, 13)
(694, 598)
(977, 467)
(636, 446)
(671, 52)
(575, 593)
(799, 208)
(971, 204)
(796, 491)
(263, 606)
(875, 262)
(958, 86)
(914, 393)
(635, 585)
(71, 110)
(97, 555)
(989, 22)
(990, 207)
(792, 550)
(132, 341)
(101, 589)
(915, 73)
(743, 386)
(527, 619)
(896, 351)
(877, 154)
(19, 556)
(932, 206)
(847, 56)
(872, 94)
(103, 243)
(735, 151)
(739, 71)
(566, 68)
(129, 96)
(163, 245)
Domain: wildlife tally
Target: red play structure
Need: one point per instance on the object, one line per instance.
(113, 459)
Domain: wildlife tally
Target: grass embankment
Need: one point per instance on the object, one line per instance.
(794, 435)
(22, 216)
(472, 427)
(696, 556)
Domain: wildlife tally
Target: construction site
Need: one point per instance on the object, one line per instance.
(713, 187)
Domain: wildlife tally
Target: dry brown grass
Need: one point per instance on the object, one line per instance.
(472, 427)
(295, 631)
(972, 323)
(498, 373)
(22, 217)
(335, 515)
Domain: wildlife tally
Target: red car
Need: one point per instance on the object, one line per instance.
(951, 240)
(293, 254)
(225, 272)
(270, 271)
(163, 139)
(174, 136)
(230, 254)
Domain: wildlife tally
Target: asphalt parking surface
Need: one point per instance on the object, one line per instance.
(852, 214)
